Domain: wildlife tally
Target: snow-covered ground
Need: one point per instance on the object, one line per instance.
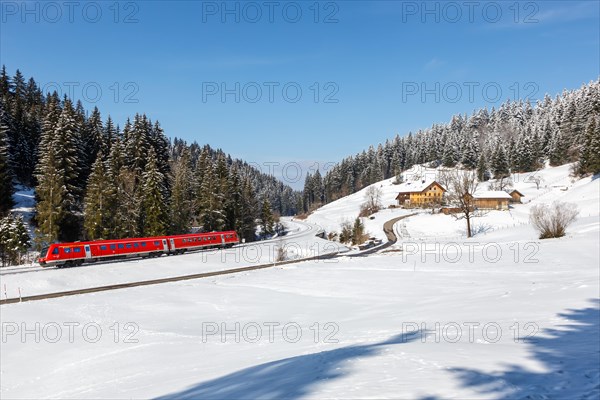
(501, 315)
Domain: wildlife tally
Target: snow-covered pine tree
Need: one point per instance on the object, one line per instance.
(499, 163)
(589, 162)
(92, 142)
(154, 206)
(97, 201)
(14, 239)
(182, 195)
(558, 149)
(470, 152)
(482, 171)
(6, 176)
(266, 219)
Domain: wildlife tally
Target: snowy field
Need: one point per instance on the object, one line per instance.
(392, 325)
(501, 315)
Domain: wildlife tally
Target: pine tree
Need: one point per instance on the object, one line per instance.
(182, 196)
(482, 174)
(470, 153)
(234, 202)
(6, 176)
(266, 219)
(589, 162)
(97, 201)
(93, 141)
(557, 153)
(14, 239)
(154, 206)
(248, 212)
(500, 164)
(51, 190)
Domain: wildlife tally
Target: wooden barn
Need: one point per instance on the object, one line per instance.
(423, 193)
(492, 200)
(516, 196)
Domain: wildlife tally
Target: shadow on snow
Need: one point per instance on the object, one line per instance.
(290, 378)
(570, 355)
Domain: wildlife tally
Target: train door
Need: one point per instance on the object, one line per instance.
(222, 240)
(88, 252)
(165, 247)
(172, 244)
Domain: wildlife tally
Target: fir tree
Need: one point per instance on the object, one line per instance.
(266, 219)
(482, 174)
(182, 196)
(98, 201)
(500, 164)
(154, 207)
(14, 239)
(590, 153)
(6, 177)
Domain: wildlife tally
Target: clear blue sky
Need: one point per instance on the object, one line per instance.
(374, 54)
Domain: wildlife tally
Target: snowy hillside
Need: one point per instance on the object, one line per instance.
(555, 184)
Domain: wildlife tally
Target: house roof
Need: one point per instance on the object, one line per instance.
(492, 194)
(417, 186)
(516, 191)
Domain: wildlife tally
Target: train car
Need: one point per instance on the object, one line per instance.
(182, 243)
(76, 253)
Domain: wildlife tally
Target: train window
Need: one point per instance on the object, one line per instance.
(113, 247)
(55, 250)
(184, 240)
(102, 247)
(67, 250)
(156, 243)
(136, 245)
(121, 246)
(128, 245)
(143, 244)
(77, 250)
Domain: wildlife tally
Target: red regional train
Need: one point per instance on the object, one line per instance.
(76, 253)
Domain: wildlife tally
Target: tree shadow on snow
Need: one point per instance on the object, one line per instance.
(570, 355)
(290, 378)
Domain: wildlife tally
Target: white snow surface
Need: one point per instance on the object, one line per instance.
(500, 315)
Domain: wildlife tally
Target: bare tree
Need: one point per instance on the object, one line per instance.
(552, 221)
(462, 186)
(372, 202)
(444, 177)
(502, 184)
(536, 179)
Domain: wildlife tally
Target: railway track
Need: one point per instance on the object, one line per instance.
(160, 280)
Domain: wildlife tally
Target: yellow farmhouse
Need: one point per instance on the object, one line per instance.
(421, 193)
